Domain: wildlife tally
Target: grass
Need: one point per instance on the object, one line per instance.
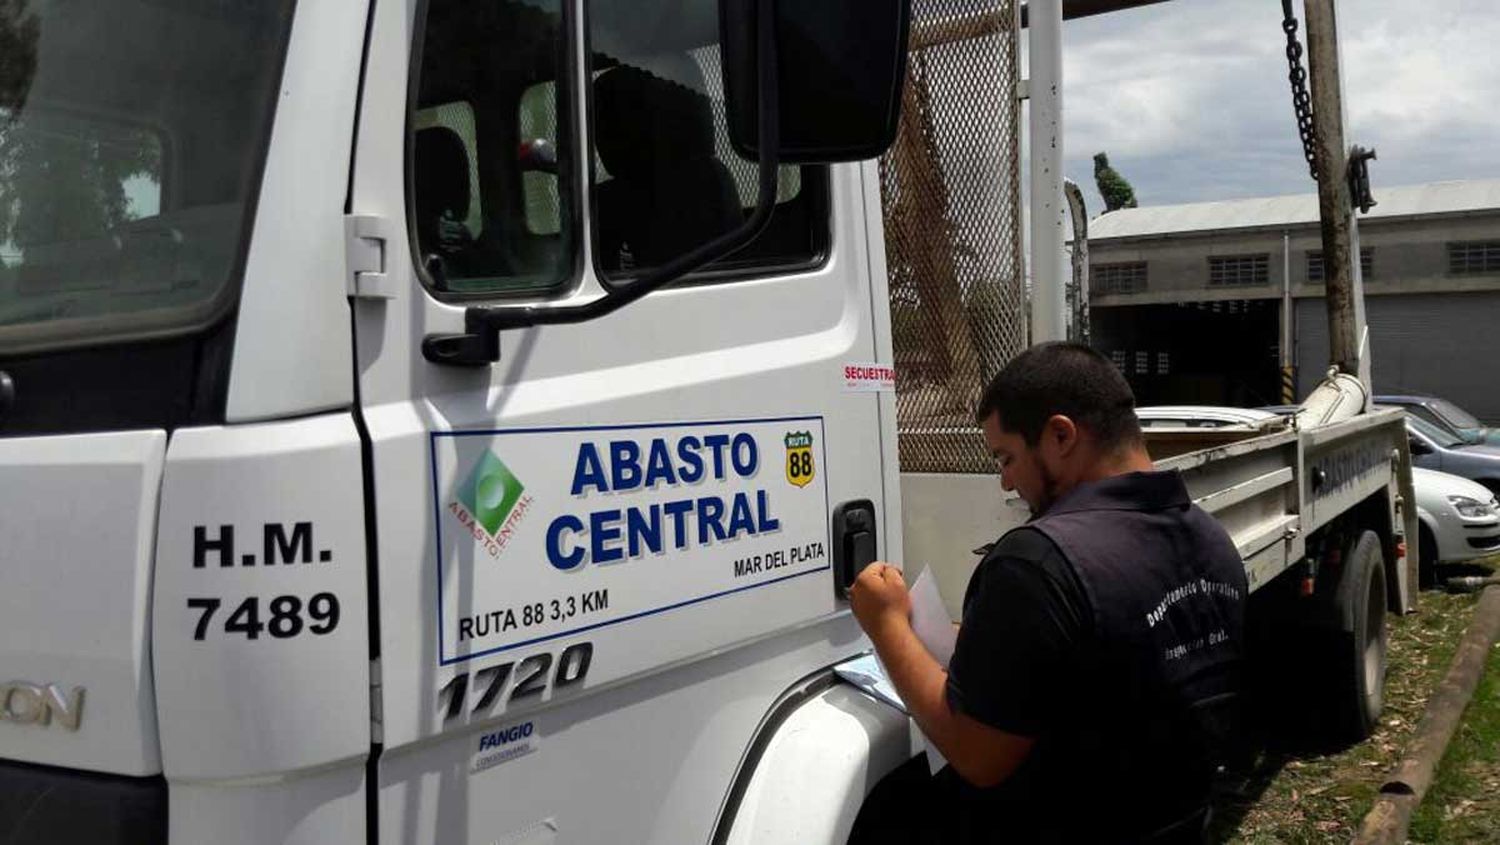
(1463, 804)
(1304, 796)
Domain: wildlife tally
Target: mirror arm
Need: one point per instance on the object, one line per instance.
(479, 344)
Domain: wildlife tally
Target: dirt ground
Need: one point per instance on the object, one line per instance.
(1292, 796)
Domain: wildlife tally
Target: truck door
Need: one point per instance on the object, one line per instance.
(644, 491)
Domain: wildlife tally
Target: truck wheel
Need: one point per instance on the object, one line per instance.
(1427, 555)
(1359, 669)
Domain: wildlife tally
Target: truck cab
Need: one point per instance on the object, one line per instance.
(273, 570)
(431, 421)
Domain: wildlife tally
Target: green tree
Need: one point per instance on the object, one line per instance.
(1116, 192)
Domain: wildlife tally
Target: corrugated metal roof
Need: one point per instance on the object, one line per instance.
(1402, 201)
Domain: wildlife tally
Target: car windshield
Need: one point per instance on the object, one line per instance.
(1443, 437)
(1455, 416)
(130, 138)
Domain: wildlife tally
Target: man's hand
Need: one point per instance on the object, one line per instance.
(879, 598)
(981, 754)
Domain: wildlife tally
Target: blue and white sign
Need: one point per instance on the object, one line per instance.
(503, 745)
(547, 532)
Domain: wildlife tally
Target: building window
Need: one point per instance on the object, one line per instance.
(1233, 271)
(1472, 258)
(1125, 277)
(1315, 264)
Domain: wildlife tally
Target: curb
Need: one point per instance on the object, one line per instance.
(1388, 820)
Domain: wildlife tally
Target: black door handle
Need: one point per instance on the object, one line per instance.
(7, 393)
(853, 542)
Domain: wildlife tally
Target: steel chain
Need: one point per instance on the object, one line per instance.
(1301, 100)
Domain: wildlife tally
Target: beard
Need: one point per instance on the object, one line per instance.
(1049, 491)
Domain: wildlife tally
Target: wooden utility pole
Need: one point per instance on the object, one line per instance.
(1347, 335)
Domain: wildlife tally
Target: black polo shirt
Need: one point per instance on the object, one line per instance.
(1110, 629)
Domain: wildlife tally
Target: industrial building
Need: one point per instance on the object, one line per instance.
(1188, 299)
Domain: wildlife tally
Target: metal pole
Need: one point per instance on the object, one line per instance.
(1288, 375)
(1348, 339)
(1048, 313)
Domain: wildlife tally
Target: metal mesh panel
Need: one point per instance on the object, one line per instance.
(746, 173)
(952, 205)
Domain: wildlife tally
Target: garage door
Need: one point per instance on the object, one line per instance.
(1436, 344)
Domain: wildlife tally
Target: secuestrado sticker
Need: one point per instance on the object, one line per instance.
(869, 378)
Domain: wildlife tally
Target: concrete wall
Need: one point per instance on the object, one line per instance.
(1409, 256)
(944, 519)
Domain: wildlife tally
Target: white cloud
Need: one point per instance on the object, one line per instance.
(1191, 98)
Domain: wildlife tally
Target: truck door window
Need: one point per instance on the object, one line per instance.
(455, 122)
(491, 178)
(538, 151)
(665, 178)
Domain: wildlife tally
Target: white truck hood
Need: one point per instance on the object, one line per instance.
(77, 528)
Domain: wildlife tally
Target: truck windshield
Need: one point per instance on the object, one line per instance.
(130, 141)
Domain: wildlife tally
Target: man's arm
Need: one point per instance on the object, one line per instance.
(982, 755)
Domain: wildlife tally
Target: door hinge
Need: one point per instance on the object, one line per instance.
(365, 239)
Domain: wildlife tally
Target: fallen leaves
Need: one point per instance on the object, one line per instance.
(1323, 797)
(1460, 809)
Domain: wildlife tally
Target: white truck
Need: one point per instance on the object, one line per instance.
(361, 482)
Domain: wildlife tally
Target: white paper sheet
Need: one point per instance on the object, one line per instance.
(868, 674)
(929, 618)
(930, 622)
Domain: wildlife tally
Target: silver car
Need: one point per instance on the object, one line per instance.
(1444, 414)
(1440, 448)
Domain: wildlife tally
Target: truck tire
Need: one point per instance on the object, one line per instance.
(1359, 654)
(1427, 557)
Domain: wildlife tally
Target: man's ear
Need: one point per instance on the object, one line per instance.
(1063, 433)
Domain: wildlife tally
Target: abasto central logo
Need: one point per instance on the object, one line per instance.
(491, 504)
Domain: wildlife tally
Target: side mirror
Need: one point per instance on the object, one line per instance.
(841, 65)
(1418, 447)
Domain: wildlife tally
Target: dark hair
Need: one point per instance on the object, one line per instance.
(1062, 378)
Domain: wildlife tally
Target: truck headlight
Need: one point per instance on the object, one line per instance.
(1472, 508)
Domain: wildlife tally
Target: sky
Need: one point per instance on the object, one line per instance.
(1191, 100)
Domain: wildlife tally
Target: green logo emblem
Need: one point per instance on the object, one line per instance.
(490, 492)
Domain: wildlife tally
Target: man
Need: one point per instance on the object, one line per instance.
(1097, 669)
